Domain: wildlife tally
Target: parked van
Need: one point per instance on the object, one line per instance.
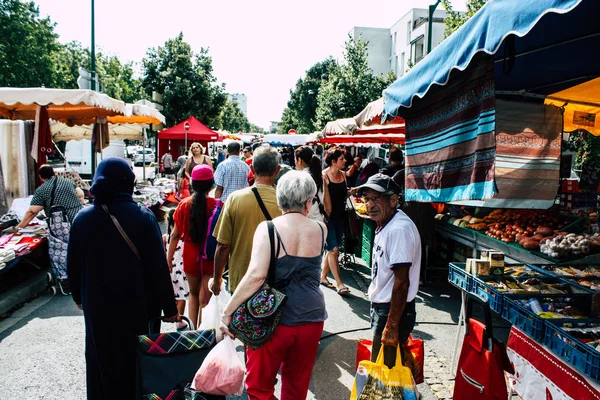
(78, 155)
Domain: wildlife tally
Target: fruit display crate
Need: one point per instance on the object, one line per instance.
(458, 277)
(524, 319)
(496, 297)
(585, 358)
(368, 235)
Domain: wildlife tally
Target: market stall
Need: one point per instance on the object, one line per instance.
(289, 140)
(182, 135)
(484, 128)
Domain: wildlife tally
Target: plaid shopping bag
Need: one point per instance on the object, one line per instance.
(167, 361)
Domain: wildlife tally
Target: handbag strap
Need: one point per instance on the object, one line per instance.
(53, 192)
(122, 232)
(261, 203)
(273, 260)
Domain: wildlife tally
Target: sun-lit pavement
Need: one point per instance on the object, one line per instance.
(42, 344)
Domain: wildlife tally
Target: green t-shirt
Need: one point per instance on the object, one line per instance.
(239, 219)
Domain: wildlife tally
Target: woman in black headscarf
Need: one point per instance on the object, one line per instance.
(118, 290)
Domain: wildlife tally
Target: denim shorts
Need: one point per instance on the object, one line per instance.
(379, 317)
(335, 233)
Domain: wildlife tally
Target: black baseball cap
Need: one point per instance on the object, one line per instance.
(380, 183)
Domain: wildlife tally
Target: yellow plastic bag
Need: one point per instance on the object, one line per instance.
(374, 380)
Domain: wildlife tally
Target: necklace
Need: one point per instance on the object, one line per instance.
(292, 212)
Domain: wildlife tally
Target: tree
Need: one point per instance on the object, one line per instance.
(300, 113)
(67, 60)
(350, 86)
(186, 80)
(117, 79)
(27, 43)
(233, 119)
(454, 19)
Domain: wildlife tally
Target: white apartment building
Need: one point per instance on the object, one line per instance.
(405, 43)
(241, 100)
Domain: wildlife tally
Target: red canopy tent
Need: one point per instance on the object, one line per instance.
(174, 137)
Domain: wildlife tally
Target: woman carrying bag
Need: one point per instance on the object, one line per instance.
(299, 243)
(119, 278)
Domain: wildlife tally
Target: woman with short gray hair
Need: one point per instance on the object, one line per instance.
(299, 242)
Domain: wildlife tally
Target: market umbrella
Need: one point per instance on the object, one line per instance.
(582, 106)
(70, 106)
(371, 115)
(344, 126)
(138, 114)
(65, 133)
(391, 138)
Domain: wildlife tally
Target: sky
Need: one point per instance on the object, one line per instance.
(259, 47)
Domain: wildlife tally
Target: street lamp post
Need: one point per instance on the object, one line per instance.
(186, 128)
(432, 8)
(93, 87)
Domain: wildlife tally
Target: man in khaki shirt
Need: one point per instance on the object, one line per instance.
(241, 216)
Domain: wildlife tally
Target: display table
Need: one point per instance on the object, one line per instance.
(477, 241)
(539, 374)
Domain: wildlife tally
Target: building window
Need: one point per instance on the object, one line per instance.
(417, 49)
(408, 31)
(402, 65)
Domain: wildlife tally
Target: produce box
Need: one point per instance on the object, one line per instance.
(368, 235)
(524, 319)
(567, 341)
(458, 277)
(495, 289)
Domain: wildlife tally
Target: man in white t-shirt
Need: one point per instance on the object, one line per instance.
(395, 267)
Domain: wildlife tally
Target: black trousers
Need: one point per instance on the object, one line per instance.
(379, 317)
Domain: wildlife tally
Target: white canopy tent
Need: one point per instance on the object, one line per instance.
(65, 133)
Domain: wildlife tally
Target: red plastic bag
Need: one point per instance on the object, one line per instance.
(413, 355)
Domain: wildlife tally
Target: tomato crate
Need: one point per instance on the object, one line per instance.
(584, 357)
(524, 319)
(457, 276)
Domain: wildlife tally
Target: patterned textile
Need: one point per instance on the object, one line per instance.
(178, 278)
(58, 240)
(450, 146)
(232, 174)
(65, 196)
(255, 321)
(528, 148)
(74, 176)
(176, 342)
(174, 395)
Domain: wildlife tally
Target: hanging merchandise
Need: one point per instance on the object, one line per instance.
(482, 361)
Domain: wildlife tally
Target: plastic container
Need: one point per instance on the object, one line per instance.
(459, 277)
(523, 319)
(493, 296)
(583, 357)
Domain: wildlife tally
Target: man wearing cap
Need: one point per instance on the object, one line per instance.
(395, 267)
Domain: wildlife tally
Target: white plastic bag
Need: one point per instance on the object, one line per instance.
(222, 371)
(211, 313)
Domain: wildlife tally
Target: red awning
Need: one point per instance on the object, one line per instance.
(381, 129)
(197, 132)
(390, 138)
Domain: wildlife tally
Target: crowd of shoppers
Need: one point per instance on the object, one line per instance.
(152, 277)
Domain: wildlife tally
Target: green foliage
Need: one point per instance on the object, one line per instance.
(186, 80)
(67, 60)
(233, 119)
(117, 79)
(455, 20)
(350, 86)
(301, 109)
(27, 43)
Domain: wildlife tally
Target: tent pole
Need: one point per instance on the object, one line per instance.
(93, 87)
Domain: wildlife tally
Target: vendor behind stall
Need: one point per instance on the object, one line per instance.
(61, 201)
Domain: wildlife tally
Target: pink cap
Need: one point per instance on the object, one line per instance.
(202, 172)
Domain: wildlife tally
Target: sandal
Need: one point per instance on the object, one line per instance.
(327, 284)
(343, 291)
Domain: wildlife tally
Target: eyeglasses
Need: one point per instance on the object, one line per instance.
(378, 198)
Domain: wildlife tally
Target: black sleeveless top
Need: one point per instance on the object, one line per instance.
(337, 194)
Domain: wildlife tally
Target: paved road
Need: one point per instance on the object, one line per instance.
(42, 344)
